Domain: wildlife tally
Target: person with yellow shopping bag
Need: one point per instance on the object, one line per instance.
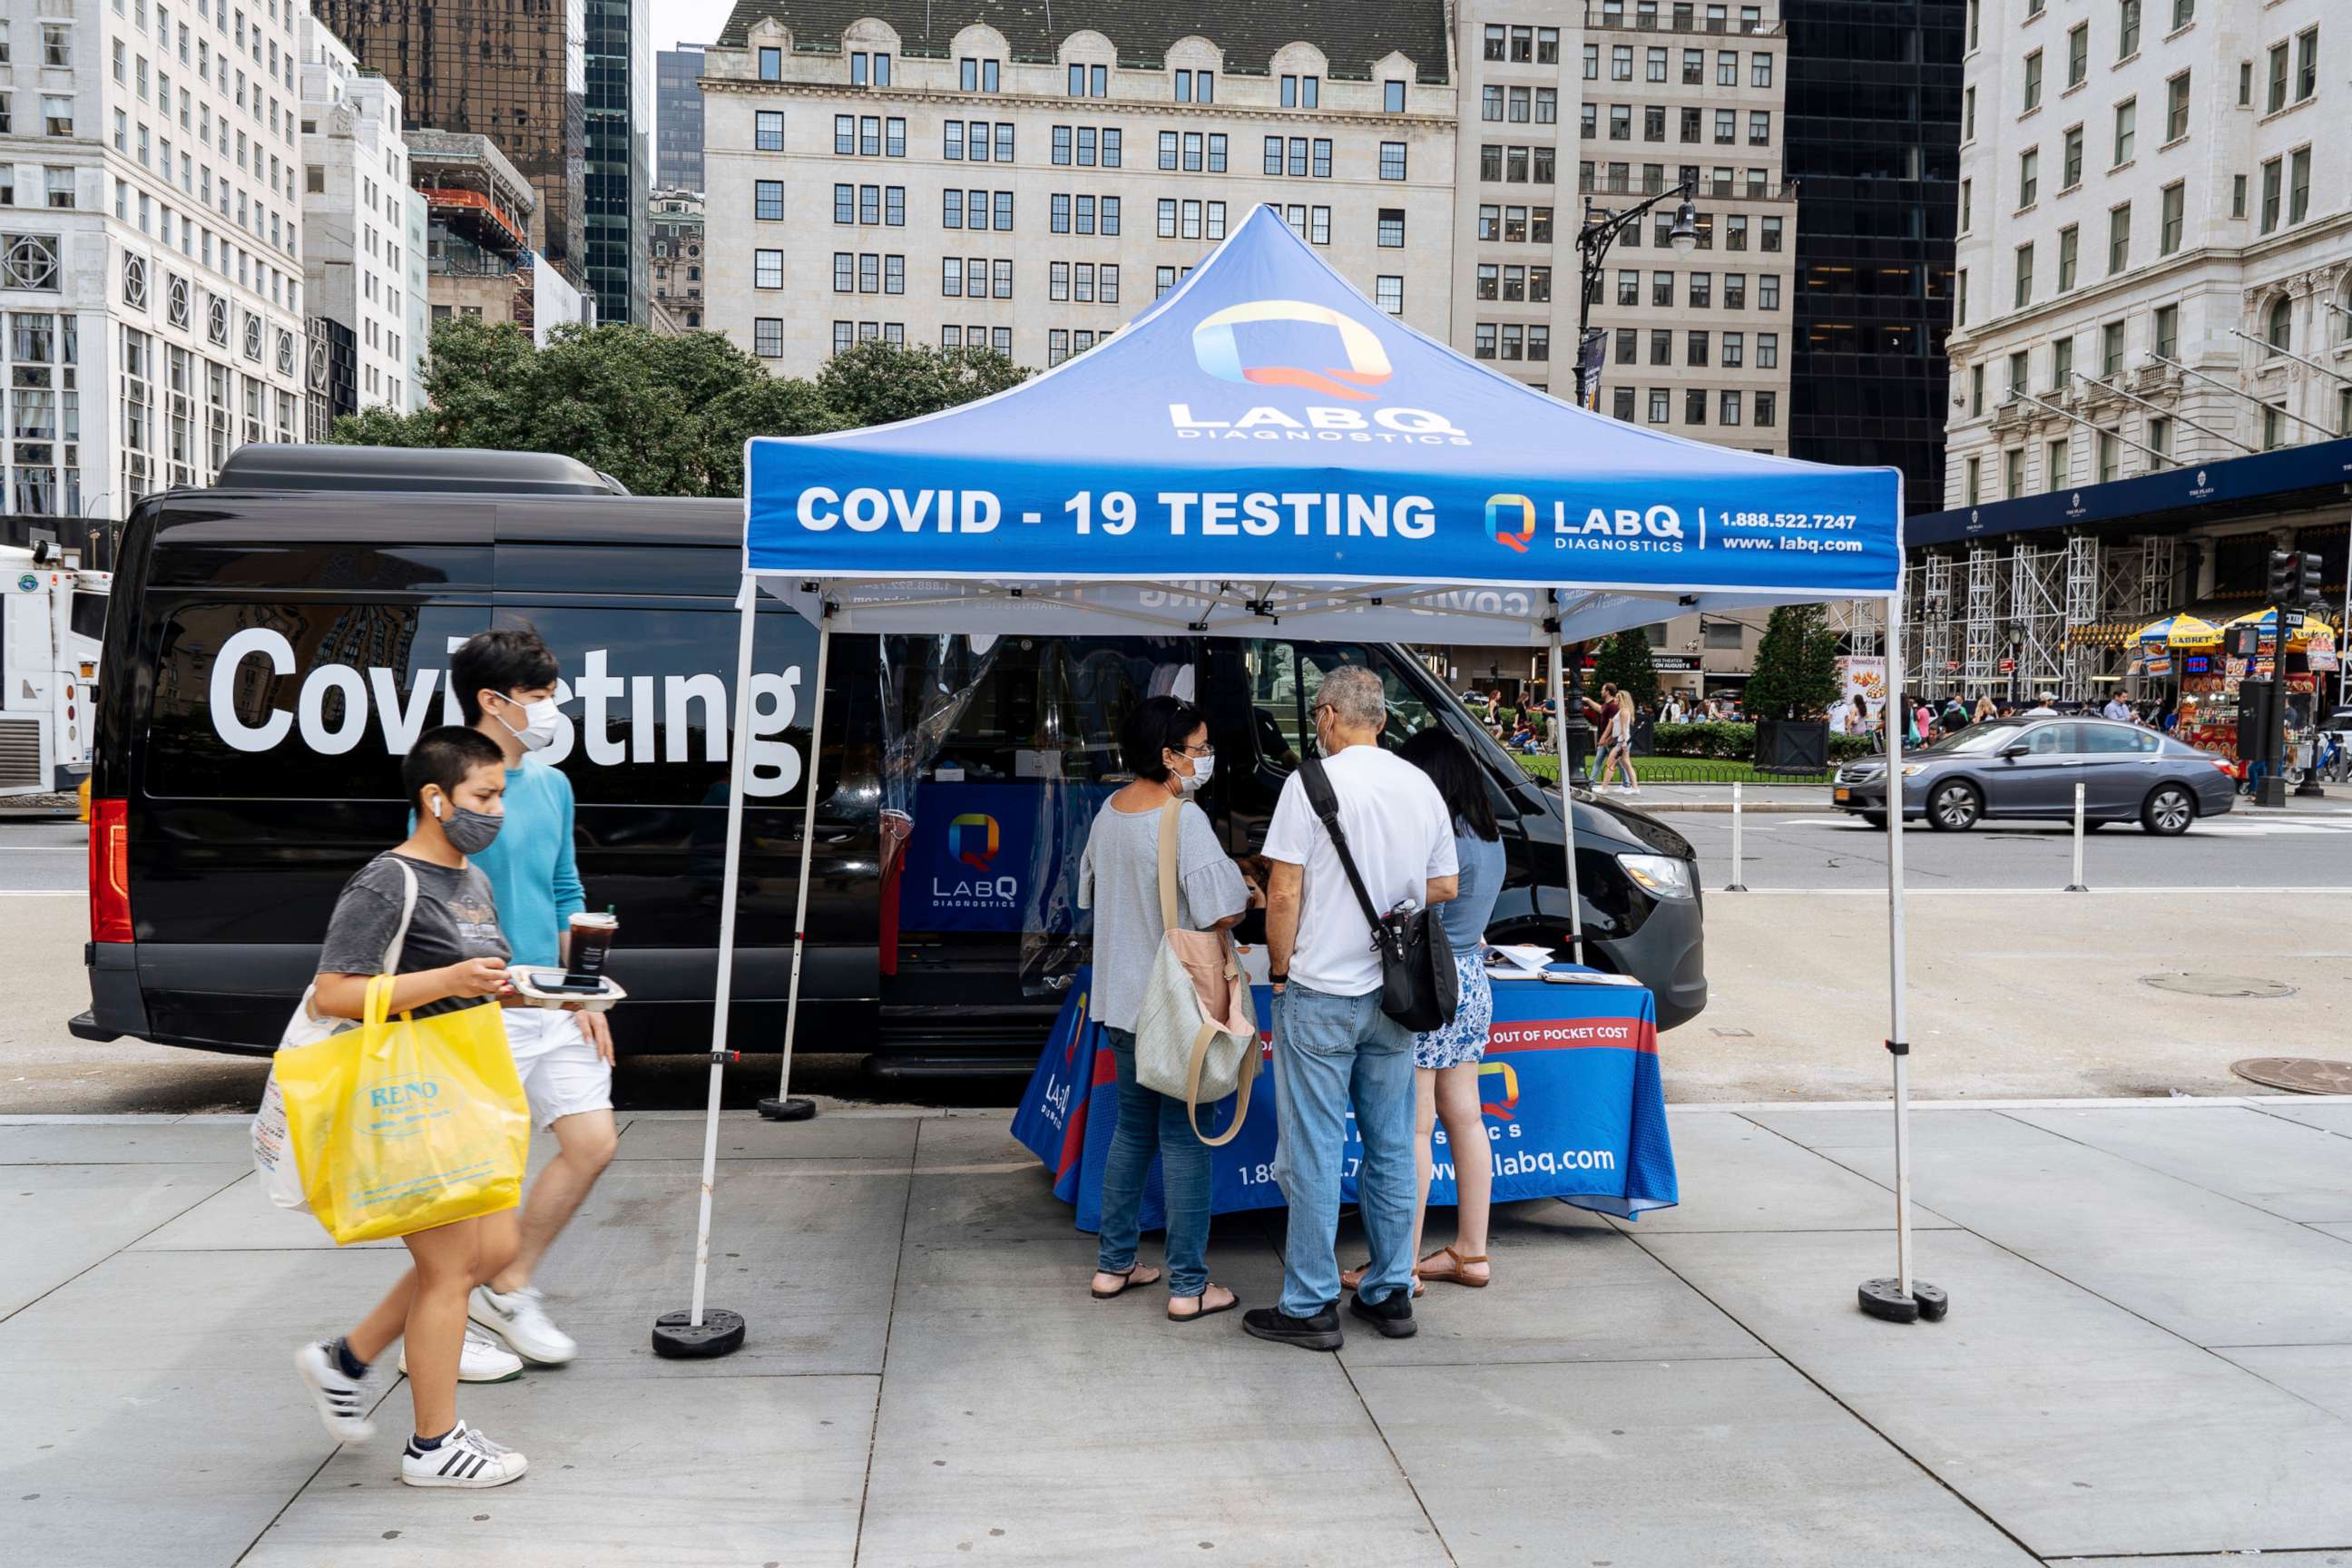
(392, 1155)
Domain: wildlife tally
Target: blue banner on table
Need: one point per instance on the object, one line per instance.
(1575, 1109)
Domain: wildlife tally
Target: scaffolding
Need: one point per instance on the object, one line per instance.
(2159, 564)
(1859, 623)
(2085, 585)
(1982, 674)
(2036, 629)
(1930, 627)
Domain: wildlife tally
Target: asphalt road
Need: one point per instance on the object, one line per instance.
(1830, 851)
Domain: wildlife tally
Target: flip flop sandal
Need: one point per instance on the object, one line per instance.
(1125, 1280)
(1352, 1277)
(1205, 1311)
(1454, 1275)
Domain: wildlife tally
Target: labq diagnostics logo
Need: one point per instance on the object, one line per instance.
(973, 839)
(1511, 520)
(1218, 349)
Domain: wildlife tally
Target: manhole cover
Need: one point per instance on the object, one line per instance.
(2300, 1075)
(2198, 984)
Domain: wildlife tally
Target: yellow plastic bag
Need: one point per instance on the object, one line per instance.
(406, 1123)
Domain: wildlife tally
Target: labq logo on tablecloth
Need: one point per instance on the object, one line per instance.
(973, 839)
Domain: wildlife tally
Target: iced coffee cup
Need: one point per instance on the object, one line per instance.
(592, 941)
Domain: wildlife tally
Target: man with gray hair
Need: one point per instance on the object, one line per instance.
(1333, 1046)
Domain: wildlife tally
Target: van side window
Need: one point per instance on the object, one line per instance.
(1283, 678)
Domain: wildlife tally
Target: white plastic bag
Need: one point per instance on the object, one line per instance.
(273, 1155)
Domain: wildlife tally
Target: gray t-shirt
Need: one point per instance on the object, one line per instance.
(1119, 878)
(456, 918)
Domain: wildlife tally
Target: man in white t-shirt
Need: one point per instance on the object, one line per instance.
(1333, 1046)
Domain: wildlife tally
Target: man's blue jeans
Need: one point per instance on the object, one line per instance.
(1149, 1121)
(1330, 1052)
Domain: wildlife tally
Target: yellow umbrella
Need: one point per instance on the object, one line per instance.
(2181, 631)
(2268, 621)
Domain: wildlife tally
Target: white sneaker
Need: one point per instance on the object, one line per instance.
(341, 1404)
(464, 1458)
(517, 1317)
(480, 1360)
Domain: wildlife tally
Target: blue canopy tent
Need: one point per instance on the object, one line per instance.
(1263, 448)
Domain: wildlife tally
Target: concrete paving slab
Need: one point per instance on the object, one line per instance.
(170, 1426)
(2289, 1169)
(748, 1137)
(2268, 1560)
(1039, 1446)
(2333, 1116)
(149, 1142)
(975, 1186)
(2073, 1425)
(2343, 1231)
(1655, 1464)
(667, 1474)
(1777, 1185)
(1603, 1298)
(240, 1217)
(2320, 1373)
(2210, 1268)
(58, 1220)
(1873, 1127)
(805, 1249)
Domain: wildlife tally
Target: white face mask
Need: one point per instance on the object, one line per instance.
(538, 731)
(1203, 767)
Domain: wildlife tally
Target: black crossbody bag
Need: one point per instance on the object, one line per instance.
(1419, 987)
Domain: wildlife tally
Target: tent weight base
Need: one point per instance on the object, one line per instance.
(676, 1337)
(793, 1109)
(1883, 1299)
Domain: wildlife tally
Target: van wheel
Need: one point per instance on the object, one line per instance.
(2168, 812)
(1954, 808)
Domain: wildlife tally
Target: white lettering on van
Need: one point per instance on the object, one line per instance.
(671, 701)
(222, 697)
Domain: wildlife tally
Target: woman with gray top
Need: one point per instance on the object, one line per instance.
(1445, 1061)
(1166, 745)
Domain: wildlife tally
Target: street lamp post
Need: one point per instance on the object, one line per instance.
(1593, 240)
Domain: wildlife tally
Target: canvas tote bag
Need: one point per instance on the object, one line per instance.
(1196, 1033)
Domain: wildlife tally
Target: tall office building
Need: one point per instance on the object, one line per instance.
(355, 240)
(620, 119)
(153, 283)
(914, 175)
(513, 72)
(678, 104)
(1874, 134)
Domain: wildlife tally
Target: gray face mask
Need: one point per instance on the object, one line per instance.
(468, 831)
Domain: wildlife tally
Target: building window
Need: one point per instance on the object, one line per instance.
(1388, 293)
(1389, 230)
(2168, 331)
(2298, 185)
(2078, 54)
(771, 63)
(2278, 325)
(768, 200)
(1392, 162)
(767, 269)
(2176, 201)
(2032, 81)
(2024, 276)
(2126, 28)
(2069, 240)
(2118, 239)
(2029, 176)
(768, 337)
(2074, 158)
(2111, 349)
(2176, 108)
(2274, 185)
(1392, 91)
(1767, 410)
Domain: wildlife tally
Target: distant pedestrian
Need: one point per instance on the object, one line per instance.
(1986, 709)
(1617, 739)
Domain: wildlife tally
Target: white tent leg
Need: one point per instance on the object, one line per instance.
(1902, 1298)
(783, 1108)
(713, 1331)
(1567, 800)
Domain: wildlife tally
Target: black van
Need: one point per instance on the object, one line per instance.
(276, 640)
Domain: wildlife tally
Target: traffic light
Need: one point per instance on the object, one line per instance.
(2286, 577)
(2308, 579)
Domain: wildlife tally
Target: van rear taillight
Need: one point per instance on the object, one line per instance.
(109, 871)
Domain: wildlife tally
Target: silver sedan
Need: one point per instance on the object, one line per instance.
(2027, 767)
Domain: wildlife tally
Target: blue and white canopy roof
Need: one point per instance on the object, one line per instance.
(1263, 448)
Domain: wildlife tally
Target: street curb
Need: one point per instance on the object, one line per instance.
(1753, 808)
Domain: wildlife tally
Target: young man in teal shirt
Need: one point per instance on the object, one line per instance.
(505, 680)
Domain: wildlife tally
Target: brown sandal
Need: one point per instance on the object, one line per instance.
(1126, 1279)
(1350, 1278)
(1454, 1274)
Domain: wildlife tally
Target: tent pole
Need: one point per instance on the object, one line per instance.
(703, 1330)
(783, 1108)
(1567, 798)
(1902, 1298)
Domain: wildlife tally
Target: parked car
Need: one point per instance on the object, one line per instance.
(2027, 767)
(274, 642)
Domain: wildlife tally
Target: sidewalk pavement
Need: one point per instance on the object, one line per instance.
(2148, 1354)
(1813, 799)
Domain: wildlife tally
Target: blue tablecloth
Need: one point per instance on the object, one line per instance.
(1569, 1084)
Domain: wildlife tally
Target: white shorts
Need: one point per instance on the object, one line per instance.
(562, 1073)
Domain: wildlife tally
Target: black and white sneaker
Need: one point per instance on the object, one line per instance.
(342, 1401)
(463, 1458)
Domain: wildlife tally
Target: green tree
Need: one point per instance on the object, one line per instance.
(1796, 666)
(1624, 659)
(665, 416)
